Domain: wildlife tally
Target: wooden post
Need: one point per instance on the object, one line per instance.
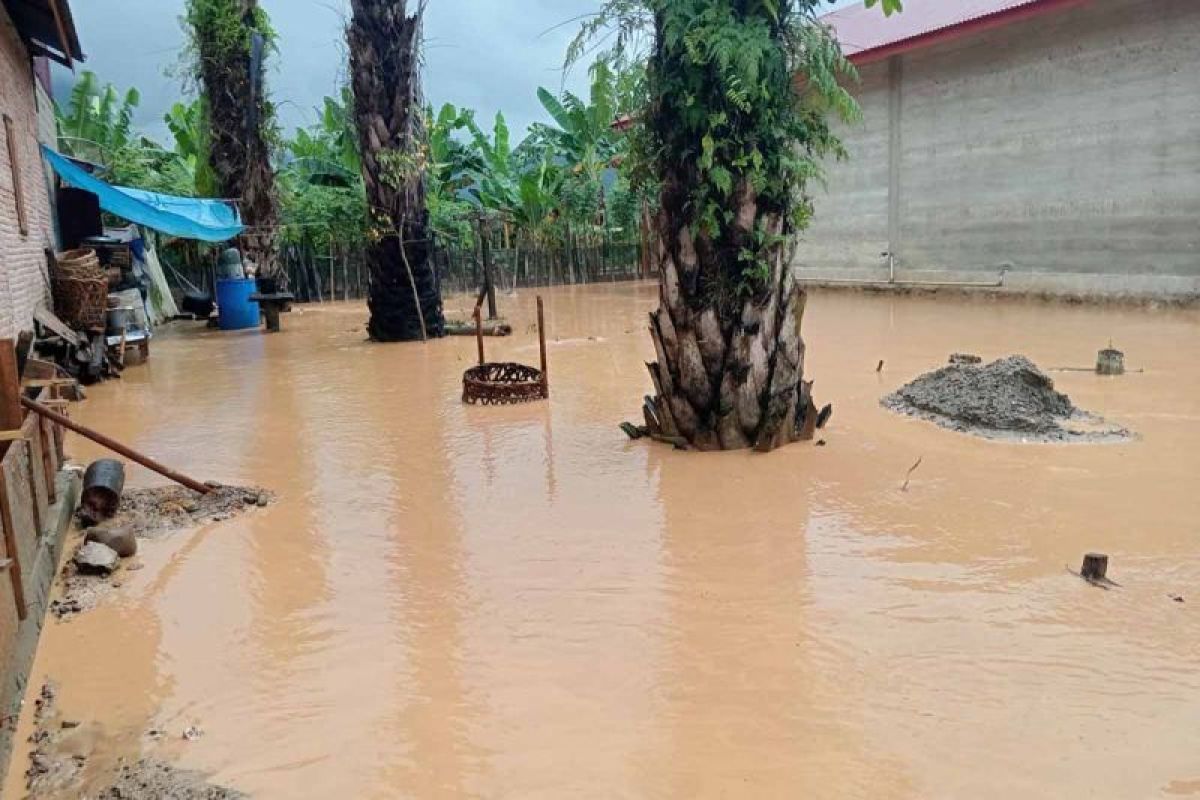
(542, 347)
(1110, 362)
(488, 281)
(33, 495)
(10, 419)
(479, 332)
(1095, 567)
(10, 391)
(10, 545)
(48, 460)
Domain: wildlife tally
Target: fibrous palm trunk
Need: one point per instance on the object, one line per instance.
(730, 368)
(405, 297)
(231, 75)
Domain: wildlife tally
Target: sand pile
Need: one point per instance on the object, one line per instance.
(1008, 398)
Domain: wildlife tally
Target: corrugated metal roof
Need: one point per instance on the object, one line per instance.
(862, 30)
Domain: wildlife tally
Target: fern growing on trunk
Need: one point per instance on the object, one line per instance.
(229, 42)
(736, 126)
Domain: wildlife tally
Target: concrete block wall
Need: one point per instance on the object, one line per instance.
(23, 272)
(1063, 150)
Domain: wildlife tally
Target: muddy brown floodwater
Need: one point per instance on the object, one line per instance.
(519, 602)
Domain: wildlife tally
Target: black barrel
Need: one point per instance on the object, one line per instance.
(102, 486)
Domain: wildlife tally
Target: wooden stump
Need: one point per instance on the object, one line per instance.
(1110, 362)
(1095, 567)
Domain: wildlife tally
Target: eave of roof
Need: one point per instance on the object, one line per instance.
(867, 36)
(47, 27)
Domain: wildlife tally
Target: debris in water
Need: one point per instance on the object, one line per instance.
(161, 510)
(1094, 570)
(1008, 398)
(880, 367)
(1110, 362)
(908, 475)
(965, 358)
(1178, 598)
(148, 779)
(192, 733)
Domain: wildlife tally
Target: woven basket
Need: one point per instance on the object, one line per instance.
(81, 302)
(74, 262)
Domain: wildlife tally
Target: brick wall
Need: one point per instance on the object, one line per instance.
(23, 279)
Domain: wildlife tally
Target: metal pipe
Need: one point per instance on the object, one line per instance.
(892, 282)
(115, 446)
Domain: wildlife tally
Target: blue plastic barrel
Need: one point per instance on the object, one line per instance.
(235, 309)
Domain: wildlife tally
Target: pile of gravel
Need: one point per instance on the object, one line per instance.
(1008, 398)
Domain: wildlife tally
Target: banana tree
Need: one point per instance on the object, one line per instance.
(98, 120)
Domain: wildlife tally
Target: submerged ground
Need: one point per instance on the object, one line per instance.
(519, 602)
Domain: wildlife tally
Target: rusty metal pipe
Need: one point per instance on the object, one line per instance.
(115, 446)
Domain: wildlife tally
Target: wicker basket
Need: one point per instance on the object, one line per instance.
(81, 302)
(73, 262)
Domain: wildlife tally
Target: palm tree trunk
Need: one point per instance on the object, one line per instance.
(730, 357)
(230, 70)
(405, 297)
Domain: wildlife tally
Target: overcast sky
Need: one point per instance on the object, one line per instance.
(483, 54)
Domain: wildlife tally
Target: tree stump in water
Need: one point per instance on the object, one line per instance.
(1110, 362)
(1095, 567)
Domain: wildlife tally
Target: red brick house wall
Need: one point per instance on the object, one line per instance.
(23, 272)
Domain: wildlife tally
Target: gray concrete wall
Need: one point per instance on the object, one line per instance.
(1064, 149)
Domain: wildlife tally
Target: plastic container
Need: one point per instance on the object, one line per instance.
(235, 309)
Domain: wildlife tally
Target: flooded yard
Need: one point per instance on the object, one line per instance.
(520, 602)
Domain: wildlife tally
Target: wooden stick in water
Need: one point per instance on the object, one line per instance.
(542, 345)
(115, 446)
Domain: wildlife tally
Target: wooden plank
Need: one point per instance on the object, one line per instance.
(10, 137)
(43, 383)
(10, 547)
(62, 34)
(35, 500)
(12, 436)
(47, 319)
(49, 467)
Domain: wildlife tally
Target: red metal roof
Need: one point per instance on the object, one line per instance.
(867, 35)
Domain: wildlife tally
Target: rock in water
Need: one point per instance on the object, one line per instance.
(96, 558)
(121, 539)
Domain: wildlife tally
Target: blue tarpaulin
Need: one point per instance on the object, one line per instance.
(187, 217)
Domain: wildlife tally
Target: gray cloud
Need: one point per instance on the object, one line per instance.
(484, 54)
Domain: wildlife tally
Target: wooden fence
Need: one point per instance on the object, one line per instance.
(339, 272)
(32, 449)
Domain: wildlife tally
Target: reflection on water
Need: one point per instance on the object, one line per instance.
(518, 602)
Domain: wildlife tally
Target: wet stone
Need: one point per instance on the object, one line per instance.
(121, 539)
(96, 558)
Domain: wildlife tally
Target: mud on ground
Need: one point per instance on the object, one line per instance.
(151, 513)
(1007, 399)
(70, 759)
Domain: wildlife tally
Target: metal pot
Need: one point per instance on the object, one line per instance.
(118, 319)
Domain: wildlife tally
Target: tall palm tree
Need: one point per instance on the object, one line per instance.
(384, 39)
(230, 39)
(733, 145)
